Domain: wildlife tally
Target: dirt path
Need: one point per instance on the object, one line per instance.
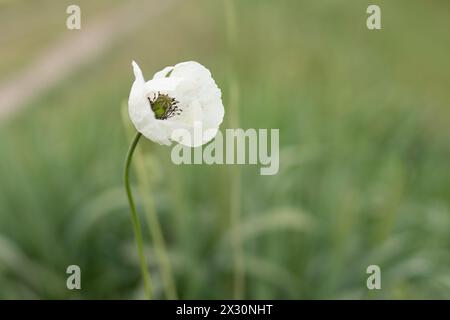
(80, 47)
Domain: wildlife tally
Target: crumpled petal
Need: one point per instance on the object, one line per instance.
(163, 73)
(162, 85)
(199, 98)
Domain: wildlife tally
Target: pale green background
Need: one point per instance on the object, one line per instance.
(364, 142)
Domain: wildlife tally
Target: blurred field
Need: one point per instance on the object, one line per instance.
(364, 175)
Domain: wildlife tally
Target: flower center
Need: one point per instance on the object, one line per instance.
(163, 106)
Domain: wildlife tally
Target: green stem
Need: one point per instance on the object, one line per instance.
(135, 219)
(155, 229)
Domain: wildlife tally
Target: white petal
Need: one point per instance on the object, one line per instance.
(162, 84)
(191, 69)
(137, 72)
(163, 73)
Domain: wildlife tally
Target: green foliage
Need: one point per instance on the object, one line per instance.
(364, 170)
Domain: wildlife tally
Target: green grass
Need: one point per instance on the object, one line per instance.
(364, 174)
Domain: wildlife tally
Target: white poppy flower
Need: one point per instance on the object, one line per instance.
(184, 96)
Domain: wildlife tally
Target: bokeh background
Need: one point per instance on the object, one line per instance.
(364, 151)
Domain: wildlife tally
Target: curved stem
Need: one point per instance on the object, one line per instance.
(135, 219)
(159, 244)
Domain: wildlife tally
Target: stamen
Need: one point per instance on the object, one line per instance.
(163, 106)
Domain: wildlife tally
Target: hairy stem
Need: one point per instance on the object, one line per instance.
(154, 225)
(135, 219)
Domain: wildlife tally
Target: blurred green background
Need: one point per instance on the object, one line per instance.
(364, 150)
